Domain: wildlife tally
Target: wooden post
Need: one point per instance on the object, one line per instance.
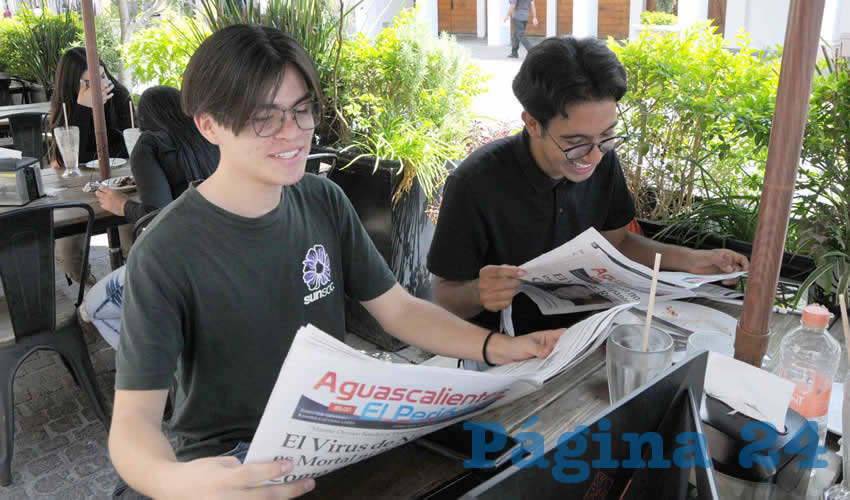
(786, 139)
(93, 63)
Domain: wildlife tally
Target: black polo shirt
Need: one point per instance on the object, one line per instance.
(500, 208)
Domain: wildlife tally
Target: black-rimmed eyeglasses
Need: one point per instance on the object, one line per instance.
(269, 120)
(582, 150)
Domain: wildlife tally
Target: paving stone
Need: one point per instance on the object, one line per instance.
(51, 484)
(90, 465)
(91, 431)
(78, 491)
(30, 437)
(24, 455)
(38, 361)
(20, 393)
(65, 424)
(53, 444)
(44, 464)
(106, 481)
(83, 449)
(59, 410)
(36, 421)
(14, 492)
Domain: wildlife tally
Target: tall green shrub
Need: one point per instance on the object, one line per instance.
(695, 111)
(158, 55)
(822, 205)
(407, 96)
(38, 42)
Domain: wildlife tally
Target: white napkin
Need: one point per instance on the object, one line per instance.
(10, 153)
(752, 391)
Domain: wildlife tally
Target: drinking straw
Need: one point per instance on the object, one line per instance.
(651, 301)
(65, 112)
(844, 322)
(132, 122)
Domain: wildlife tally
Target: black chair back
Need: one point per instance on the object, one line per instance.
(28, 134)
(141, 224)
(27, 269)
(5, 95)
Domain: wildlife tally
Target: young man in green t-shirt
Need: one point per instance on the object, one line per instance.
(218, 285)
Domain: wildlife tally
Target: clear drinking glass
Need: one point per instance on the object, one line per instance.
(628, 366)
(710, 340)
(131, 135)
(68, 141)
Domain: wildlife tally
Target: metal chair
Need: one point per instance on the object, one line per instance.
(28, 134)
(142, 223)
(27, 273)
(5, 93)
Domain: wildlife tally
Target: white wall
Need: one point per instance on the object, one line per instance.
(481, 18)
(498, 31)
(585, 18)
(372, 16)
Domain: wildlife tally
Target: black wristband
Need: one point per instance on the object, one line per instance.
(484, 349)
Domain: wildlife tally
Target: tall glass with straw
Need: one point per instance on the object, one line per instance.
(131, 135)
(68, 141)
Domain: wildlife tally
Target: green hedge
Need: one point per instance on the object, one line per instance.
(658, 18)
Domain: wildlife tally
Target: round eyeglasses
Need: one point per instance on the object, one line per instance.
(269, 120)
(582, 150)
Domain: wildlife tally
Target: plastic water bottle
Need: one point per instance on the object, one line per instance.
(809, 357)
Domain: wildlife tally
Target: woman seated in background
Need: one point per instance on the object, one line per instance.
(169, 155)
(73, 89)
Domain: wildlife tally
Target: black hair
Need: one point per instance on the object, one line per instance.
(560, 71)
(236, 69)
(70, 69)
(160, 112)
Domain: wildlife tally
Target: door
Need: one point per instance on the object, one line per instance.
(613, 19)
(717, 14)
(540, 29)
(457, 16)
(565, 16)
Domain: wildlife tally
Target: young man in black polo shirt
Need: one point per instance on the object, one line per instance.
(521, 196)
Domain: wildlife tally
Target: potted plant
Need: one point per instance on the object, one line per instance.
(822, 208)
(405, 116)
(40, 42)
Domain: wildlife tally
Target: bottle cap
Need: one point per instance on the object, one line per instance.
(816, 316)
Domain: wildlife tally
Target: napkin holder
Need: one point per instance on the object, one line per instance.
(20, 181)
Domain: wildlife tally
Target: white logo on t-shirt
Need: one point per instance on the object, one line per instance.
(316, 274)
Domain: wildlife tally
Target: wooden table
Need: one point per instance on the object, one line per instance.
(69, 222)
(572, 398)
(39, 107)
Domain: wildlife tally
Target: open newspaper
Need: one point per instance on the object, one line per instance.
(587, 273)
(333, 406)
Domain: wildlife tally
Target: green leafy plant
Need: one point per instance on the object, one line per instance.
(407, 96)
(658, 18)
(822, 208)
(695, 111)
(665, 5)
(159, 54)
(39, 42)
(106, 29)
(317, 24)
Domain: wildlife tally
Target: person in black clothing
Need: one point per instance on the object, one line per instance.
(169, 155)
(521, 196)
(73, 89)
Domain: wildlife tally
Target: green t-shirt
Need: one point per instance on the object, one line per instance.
(214, 299)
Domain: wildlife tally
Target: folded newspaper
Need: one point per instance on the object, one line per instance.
(333, 406)
(587, 273)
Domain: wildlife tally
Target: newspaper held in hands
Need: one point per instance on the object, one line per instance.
(333, 406)
(587, 273)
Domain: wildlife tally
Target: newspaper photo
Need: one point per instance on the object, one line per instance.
(587, 273)
(332, 405)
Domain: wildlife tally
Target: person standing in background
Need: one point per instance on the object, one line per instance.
(519, 11)
(7, 12)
